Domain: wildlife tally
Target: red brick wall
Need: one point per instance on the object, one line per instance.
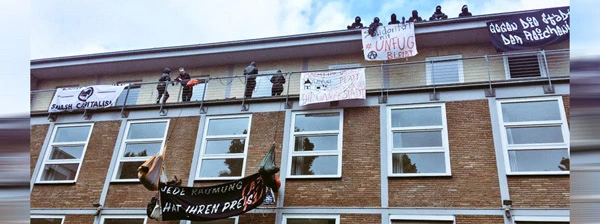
(178, 160)
(38, 135)
(474, 180)
(360, 182)
(539, 191)
(362, 219)
(477, 219)
(266, 218)
(91, 177)
(79, 219)
(567, 104)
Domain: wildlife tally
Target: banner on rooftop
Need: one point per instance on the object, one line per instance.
(212, 202)
(390, 42)
(327, 86)
(530, 30)
(89, 97)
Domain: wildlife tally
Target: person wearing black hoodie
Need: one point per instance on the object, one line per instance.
(250, 72)
(164, 79)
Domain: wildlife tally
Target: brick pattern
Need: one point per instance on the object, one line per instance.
(360, 180)
(474, 180)
(539, 191)
(178, 160)
(79, 219)
(260, 218)
(91, 177)
(478, 219)
(38, 135)
(567, 104)
(362, 219)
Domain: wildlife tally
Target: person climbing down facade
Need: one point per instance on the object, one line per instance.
(165, 78)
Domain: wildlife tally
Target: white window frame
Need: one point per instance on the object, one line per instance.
(423, 218)
(507, 66)
(541, 218)
(445, 144)
(206, 137)
(309, 216)
(61, 217)
(48, 152)
(337, 152)
(124, 142)
(104, 217)
(236, 218)
(506, 147)
(457, 57)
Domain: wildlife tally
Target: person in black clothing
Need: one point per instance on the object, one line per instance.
(415, 17)
(250, 73)
(164, 79)
(278, 80)
(394, 20)
(438, 14)
(373, 26)
(357, 24)
(183, 79)
(465, 12)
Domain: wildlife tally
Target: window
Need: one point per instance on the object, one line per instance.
(523, 65)
(224, 148)
(231, 220)
(541, 220)
(311, 219)
(535, 135)
(132, 97)
(421, 219)
(444, 69)
(263, 83)
(38, 219)
(198, 90)
(123, 219)
(65, 153)
(142, 140)
(317, 144)
(418, 140)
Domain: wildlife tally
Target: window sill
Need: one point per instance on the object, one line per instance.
(54, 182)
(125, 181)
(314, 177)
(555, 173)
(420, 175)
(218, 179)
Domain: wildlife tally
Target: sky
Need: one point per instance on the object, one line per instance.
(57, 28)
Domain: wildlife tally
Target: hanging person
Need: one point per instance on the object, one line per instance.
(278, 80)
(183, 79)
(164, 79)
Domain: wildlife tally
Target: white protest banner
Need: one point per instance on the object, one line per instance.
(319, 87)
(90, 97)
(390, 42)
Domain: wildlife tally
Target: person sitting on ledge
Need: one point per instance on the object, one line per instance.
(357, 24)
(438, 14)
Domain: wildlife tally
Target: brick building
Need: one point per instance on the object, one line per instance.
(459, 133)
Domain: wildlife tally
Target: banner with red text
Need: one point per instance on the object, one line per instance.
(390, 42)
(319, 87)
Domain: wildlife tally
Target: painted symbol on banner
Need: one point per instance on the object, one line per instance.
(86, 93)
(372, 55)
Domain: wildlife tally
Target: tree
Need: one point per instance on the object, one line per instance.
(565, 164)
(235, 165)
(305, 162)
(406, 164)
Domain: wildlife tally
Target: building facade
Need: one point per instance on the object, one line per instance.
(459, 133)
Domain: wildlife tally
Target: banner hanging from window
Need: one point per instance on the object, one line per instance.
(530, 30)
(213, 202)
(390, 42)
(90, 97)
(320, 87)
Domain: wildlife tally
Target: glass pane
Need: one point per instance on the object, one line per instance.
(128, 170)
(123, 221)
(147, 130)
(418, 139)
(314, 165)
(45, 221)
(225, 146)
(310, 221)
(218, 221)
(60, 171)
(421, 222)
(66, 152)
(198, 91)
(417, 117)
(530, 135)
(316, 143)
(317, 122)
(539, 160)
(132, 97)
(72, 134)
(229, 126)
(141, 149)
(531, 111)
(445, 72)
(221, 167)
(418, 163)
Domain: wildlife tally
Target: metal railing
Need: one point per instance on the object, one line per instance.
(383, 78)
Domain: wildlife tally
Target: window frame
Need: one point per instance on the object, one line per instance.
(124, 142)
(445, 141)
(338, 151)
(104, 217)
(533, 146)
(61, 217)
(423, 218)
(540, 59)
(48, 152)
(309, 216)
(206, 138)
(541, 219)
(446, 58)
(236, 218)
